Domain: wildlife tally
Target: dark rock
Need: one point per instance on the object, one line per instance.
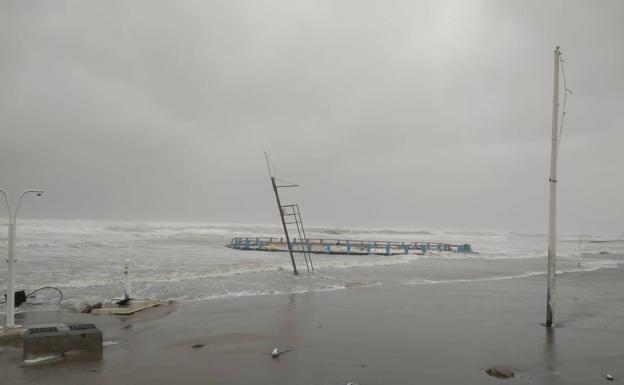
(500, 372)
(197, 346)
(89, 308)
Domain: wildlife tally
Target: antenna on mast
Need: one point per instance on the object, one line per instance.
(266, 157)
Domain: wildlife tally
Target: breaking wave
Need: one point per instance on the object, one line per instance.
(188, 261)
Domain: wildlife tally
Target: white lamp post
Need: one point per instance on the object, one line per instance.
(10, 316)
(552, 205)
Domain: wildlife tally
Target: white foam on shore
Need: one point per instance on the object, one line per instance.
(507, 277)
(37, 360)
(252, 293)
(464, 280)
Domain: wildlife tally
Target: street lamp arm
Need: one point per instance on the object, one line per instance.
(38, 192)
(6, 200)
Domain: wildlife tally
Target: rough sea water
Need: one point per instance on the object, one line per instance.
(189, 261)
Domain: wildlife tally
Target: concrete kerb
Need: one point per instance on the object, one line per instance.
(8, 335)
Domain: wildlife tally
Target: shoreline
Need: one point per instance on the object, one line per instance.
(350, 283)
(348, 286)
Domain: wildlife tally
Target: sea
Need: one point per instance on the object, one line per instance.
(188, 262)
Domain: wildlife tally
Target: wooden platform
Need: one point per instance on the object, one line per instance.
(133, 307)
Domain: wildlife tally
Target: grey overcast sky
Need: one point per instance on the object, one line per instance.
(417, 114)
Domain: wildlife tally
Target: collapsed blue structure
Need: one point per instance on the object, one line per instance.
(342, 246)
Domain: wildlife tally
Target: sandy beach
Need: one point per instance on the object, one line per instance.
(444, 333)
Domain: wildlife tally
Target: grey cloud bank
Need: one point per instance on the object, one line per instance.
(408, 113)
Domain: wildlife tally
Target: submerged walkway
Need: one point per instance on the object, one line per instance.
(345, 246)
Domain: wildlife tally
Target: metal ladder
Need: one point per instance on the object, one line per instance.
(295, 213)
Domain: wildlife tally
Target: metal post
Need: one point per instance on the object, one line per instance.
(580, 252)
(279, 207)
(10, 315)
(128, 294)
(552, 181)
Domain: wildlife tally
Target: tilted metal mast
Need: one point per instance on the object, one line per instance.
(552, 214)
(281, 212)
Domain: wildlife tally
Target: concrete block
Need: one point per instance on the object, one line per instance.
(9, 335)
(61, 338)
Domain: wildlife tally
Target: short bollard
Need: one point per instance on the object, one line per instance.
(128, 280)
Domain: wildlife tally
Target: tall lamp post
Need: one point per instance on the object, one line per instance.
(10, 316)
(552, 205)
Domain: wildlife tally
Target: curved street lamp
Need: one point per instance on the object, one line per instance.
(10, 316)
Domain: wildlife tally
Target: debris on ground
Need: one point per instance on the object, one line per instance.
(89, 308)
(500, 372)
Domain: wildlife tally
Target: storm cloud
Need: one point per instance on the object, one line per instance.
(411, 114)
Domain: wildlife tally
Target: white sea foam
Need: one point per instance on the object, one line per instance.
(464, 280)
(38, 360)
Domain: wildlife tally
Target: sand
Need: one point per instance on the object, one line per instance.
(446, 333)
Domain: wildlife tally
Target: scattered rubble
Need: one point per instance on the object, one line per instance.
(90, 308)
